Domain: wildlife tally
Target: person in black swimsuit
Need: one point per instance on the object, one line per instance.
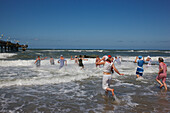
(80, 60)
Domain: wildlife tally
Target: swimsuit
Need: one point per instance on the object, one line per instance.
(61, 63)
(80, 63)
(162, 75)
(107, 78)
(38, 63)
(140, 70)
(107, 67)
(52, 61)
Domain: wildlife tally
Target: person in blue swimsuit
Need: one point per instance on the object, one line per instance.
(140, 62)
(62, 61)
(38, 61)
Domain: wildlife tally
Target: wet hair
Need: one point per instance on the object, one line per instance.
(80, 56)
(161, 59)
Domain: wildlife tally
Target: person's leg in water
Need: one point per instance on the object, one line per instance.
(165, 86)
(109, 89)
(106, 84)
(82, 66)
(163, 81)
(137, 76)
(159, 82)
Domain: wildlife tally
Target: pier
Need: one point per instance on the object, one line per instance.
(7, 47)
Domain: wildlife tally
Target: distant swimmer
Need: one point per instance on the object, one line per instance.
(117, 60)
(80, 60)
(62, 61)
(38, 61)
(97, 59)
(52, 61)
(107, 70)
(162, 74)
(148, 60)
(140, 62)
(75, 58)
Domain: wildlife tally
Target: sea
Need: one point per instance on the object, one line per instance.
(25, 88)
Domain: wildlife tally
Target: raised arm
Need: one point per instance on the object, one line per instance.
(136, 59)
(100, 63)
(43, 58)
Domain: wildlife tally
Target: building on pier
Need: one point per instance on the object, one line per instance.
(7, 46)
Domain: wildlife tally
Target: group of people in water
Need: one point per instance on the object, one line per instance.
(108, 63)
(62, 61)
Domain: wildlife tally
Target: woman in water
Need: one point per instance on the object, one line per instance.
(62, 61)
(162, 74)
(107, 71)
(80, 60)
(75, 58)
(38, 61)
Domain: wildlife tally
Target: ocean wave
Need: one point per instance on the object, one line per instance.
(6, 55)
(73, 50)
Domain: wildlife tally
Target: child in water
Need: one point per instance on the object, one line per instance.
(38, 61)
(162, 74)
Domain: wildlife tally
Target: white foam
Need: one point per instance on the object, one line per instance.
(16, 63)
(50, 74)
(126, 84)
(129, 101)
(83, 50)
(6, 55)
(167, 51)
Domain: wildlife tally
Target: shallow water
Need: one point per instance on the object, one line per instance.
(26, 88)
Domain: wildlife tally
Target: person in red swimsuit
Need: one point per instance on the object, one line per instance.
(162, 74)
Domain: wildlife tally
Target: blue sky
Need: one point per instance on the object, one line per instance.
(87, 24)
